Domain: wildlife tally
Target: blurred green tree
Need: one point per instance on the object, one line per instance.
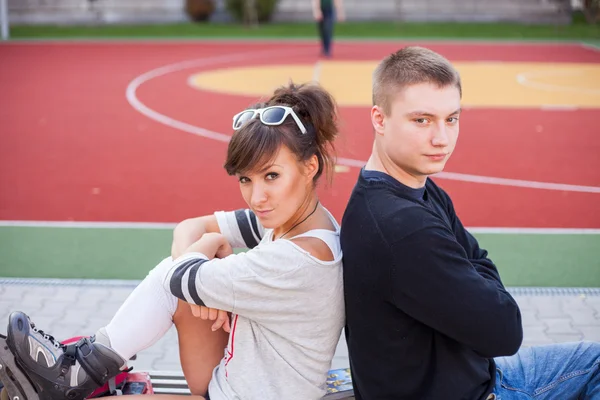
(591, 10)
(251, 12)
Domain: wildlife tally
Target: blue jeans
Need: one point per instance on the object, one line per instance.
(326, 30)
(565, 371)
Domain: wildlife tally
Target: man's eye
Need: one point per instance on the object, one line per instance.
(421, 121)
(453, 120)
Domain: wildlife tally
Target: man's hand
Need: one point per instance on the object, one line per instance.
(318, 15)
(220, 317)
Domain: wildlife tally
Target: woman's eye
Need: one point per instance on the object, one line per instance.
(243, 179)
(272, 175)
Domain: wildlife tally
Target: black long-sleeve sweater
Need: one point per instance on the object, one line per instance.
(426, 309)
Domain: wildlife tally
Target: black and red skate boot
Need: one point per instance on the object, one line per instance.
(54, 370)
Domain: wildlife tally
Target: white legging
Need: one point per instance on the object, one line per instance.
(145, 316)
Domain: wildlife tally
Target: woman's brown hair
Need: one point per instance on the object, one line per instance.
(255, 144)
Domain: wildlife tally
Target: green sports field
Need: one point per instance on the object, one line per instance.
(577, 30)
(560, 260)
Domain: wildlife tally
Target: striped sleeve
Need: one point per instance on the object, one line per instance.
(181, 279)
(240, 227)
(256, 284)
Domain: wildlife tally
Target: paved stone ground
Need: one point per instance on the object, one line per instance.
(73, 309)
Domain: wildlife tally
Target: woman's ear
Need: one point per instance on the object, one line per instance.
(311, 167)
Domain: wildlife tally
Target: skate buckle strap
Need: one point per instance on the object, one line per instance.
(83, 348)
(68, 360)
(89, 358)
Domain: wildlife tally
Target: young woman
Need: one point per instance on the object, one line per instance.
(284, 294)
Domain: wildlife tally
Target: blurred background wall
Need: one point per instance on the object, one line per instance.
(163, 11)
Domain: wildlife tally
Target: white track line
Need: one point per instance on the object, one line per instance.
(133, 100)
(137, 104)
(490, 180)
(527, 79)
(169, 226)
(517, 182)
(558, 107)
(590, 46)
(535, 231)
(89, 224)
(317, 71)
(166, 120)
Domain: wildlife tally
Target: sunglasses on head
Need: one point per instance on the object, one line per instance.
(272, 116)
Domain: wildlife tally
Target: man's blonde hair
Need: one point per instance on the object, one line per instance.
(409, 66)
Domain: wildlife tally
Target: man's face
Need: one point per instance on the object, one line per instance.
(420, 132)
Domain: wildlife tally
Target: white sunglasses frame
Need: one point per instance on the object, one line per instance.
(259, 111)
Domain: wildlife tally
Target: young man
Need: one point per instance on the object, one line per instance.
(427, 313)
(325, 12)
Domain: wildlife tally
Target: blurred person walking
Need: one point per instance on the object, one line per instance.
(325, 13)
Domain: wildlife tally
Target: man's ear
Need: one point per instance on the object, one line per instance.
(377, 119)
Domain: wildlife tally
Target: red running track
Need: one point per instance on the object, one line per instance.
(73, 149)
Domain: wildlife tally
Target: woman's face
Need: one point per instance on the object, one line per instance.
(277, 190)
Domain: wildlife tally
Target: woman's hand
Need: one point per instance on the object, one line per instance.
(220, 317)
(190, 230)
(185, 233)
(212, 245)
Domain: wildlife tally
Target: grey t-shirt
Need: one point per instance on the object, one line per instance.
(287, 310)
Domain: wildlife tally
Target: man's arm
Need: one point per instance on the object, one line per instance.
(477, 255)
(434, 281)
(316, 9)
(339, 9)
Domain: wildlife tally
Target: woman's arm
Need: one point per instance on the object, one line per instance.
(190, 231)
(240, 228)
(255, 284)
(211, 245)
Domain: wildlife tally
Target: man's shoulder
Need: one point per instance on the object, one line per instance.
(390, 215)
(378, 202)
(434, 189)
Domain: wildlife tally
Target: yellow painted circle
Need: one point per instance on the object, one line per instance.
(485, 84)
